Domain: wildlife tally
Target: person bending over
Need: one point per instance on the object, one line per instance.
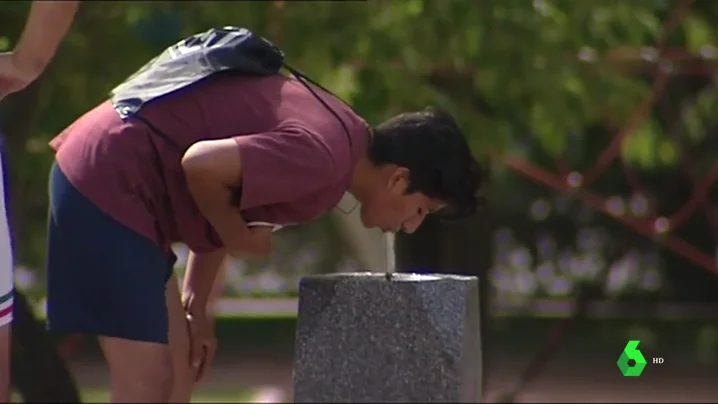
(251, 149)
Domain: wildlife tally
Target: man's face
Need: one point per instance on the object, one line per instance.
(391, 209)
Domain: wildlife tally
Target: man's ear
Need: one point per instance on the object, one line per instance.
(399, 180)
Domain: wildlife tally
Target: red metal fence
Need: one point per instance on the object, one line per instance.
(667, 65)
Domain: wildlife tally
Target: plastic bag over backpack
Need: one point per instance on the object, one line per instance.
(193, 59)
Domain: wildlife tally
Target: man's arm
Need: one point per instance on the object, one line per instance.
(45, 28)
(271, 167)
(212, 168)
(199, 279)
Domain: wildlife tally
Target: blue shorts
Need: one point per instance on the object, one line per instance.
(102, 277)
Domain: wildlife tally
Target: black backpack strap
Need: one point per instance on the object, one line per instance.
(161, 134)
(304, 79)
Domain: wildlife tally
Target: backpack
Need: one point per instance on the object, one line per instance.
(228, 49)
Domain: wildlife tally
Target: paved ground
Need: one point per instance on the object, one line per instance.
(567, 379)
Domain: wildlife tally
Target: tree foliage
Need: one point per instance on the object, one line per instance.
(520, 75)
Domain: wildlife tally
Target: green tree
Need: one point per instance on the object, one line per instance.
(515, 73)
(507, 69)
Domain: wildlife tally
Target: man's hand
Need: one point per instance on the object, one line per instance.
(203, 343)
(46, 25)
(14, 76)
(257, 242)
(274, 227)
(199, 280)
(261, 239)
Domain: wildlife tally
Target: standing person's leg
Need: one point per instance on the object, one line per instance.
(6, 286)
(105, 279)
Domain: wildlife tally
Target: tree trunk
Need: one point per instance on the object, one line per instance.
(468, 250)
(422, 251)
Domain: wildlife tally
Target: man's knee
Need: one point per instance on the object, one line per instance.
(139, 371)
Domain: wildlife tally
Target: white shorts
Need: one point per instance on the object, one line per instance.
(6, 260)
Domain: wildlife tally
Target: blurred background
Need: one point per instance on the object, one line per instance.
(598, 123)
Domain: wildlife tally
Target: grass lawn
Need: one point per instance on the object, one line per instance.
(201, 396)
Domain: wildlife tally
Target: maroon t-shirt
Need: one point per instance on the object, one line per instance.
(296, 159)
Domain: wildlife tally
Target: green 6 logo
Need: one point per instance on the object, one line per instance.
(631, 352)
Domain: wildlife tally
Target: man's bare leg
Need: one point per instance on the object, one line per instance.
(5, 355)
(184, 375)
(139, 371)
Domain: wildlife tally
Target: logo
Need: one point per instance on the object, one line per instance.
(631, 362)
